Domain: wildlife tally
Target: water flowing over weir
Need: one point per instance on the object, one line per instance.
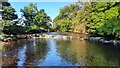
(58, 52)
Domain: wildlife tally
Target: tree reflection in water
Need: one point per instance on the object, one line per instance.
(86, 53)
(56, 52)
(102, 54)
(24, 52)
(72, 51)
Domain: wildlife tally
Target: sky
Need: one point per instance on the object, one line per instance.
(51, 8)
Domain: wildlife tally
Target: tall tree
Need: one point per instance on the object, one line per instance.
(29, 13)
(8, 12)
(42, 19)
(65, 20)
(99, 17)
(36, 19)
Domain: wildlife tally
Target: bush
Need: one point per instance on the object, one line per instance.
(14, 29)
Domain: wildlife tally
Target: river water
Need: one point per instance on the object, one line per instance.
(58, 52)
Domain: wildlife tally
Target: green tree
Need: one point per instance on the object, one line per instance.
(101, 18)
(42, 19)
(65, 20)
(29, 13)
(35, 19)
(8, 12)
(98, 14)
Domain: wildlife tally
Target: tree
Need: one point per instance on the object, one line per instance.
(8, 12)
(101, 18)
(35, 19)
(29, 13)
(98, 15)
(42, 19)
(65, 20)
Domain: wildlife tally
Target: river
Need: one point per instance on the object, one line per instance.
(58, 52)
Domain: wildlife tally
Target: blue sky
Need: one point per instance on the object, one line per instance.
(51, 8)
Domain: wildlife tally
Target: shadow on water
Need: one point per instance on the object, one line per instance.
(55, 52)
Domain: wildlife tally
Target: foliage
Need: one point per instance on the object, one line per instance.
(14, 29)
(99, 14)
(35, 19)
(42, 19)
(101, 18)
(65, 20)
(8, 12)
(29, 12)
(111, 27)
(4, 23)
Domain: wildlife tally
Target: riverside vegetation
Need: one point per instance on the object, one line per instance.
(99, 19)
(36, 20)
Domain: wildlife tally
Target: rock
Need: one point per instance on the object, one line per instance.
(102, 40)
(118, 42)
(115, 42)
(85, 38)
(7, 39)
(106, 41)
(14, 39)
(64, 37)
(53, 36)
(69, 37)
(81, 38)
(43, 35)
(37, 35)
(95, 39)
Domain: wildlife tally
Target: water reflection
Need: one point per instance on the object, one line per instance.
(90, 54)
(24, 52)
(21, 56)
(52, 56)
(102, 54)
(72, 51)
(55, 52)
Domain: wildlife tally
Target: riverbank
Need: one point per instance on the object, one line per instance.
(63, 36)
(43, 35)
(103, 40)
